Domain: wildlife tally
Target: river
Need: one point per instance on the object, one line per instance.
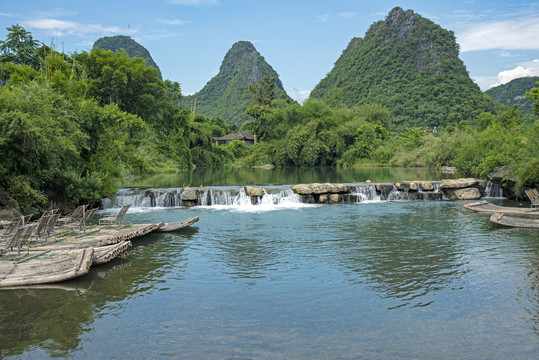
(373, 279)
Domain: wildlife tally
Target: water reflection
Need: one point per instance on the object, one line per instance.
(54, 317)
(232, 176)
(249, 245)
(405, 253)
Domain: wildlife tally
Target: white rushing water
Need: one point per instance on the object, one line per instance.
(274, 198)
(214, 198)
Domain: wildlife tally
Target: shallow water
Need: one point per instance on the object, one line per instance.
(416, 279)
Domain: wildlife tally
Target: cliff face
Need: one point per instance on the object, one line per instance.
(514, 93)
(410, 65)
(133, 48)
(225, 94)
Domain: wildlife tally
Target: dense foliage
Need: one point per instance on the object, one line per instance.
(71, 127)
(316, 134)
(514, 93)
(225, 94)
(125, 43)
(409, 65)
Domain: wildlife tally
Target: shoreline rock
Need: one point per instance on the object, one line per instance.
(9, 207)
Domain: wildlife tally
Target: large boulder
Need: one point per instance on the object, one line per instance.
(325, 188)
(317, 188)
(302, 189)
(504, 177)
(458, 183)
(189, 194)
(426, 185)
(254, 191)
(9, 207)
(463, 194)
(448, 170)
(407, 185)
(500, 174)
(415, 185)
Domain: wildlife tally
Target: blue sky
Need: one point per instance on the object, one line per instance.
(300, 39)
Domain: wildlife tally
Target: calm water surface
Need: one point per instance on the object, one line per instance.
(382, 280)
(282, 176)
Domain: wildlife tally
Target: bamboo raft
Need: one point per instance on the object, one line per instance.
(487, 207)
(46, 267)
(502, 219)
(173, 226)
(98, 236)
(105, 254)
(66, 256)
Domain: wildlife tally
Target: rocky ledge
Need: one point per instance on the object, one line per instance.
(453, 189)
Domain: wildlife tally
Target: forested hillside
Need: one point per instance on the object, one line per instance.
(72, 127)
(514, 93)
(225, 94)
(410, 65)
(133, 48)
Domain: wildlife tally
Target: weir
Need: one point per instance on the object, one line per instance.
(456, 189)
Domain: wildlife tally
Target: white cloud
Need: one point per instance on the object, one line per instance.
(153, 37)
(194, 2)
(171, 21)
(54, 13)
(6, 14)
(530, 68)
(323, 18)
(485, 82)
(347, 15)
(342, 15)
(519, 33)
(62, 28)
(51, 24)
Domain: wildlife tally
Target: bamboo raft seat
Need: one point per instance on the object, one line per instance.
(487, 207)
(115, 219)
(533, 195)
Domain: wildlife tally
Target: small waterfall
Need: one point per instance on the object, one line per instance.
(362, 194)
(142, 198)
(396, 195)
(493, 190)
(281, 197)
(234, 197)
(211, 197)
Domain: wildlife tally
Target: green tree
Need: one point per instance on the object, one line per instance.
(533, 95)
(19, 47)
(129, 83)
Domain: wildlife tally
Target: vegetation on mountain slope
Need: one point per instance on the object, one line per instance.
(410, 65)
(118, 43)
(225, 94)
(514, 93)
